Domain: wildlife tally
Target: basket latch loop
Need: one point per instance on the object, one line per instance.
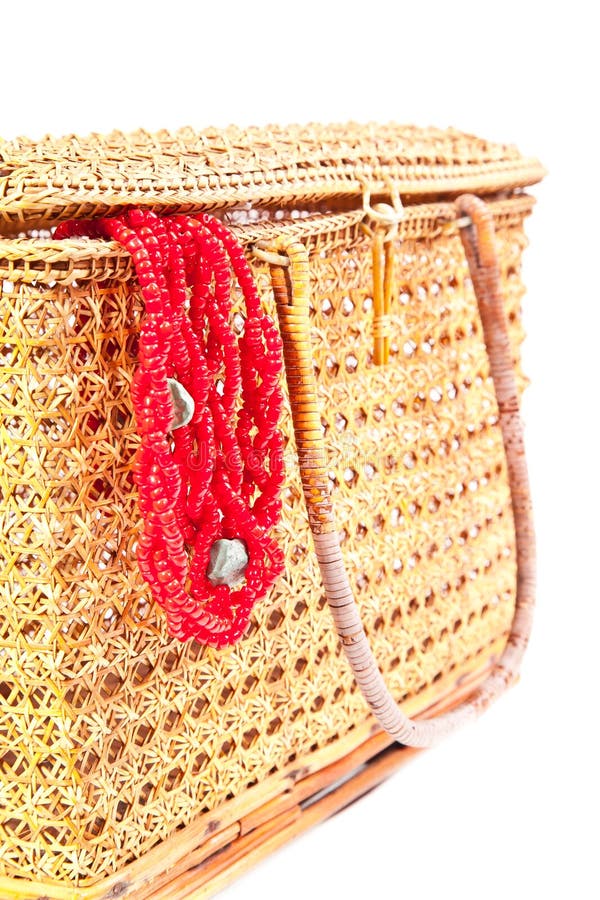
(381, 224)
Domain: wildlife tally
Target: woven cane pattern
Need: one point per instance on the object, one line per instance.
(113, 736)
(77, 177)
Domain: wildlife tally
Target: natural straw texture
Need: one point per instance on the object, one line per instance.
(128, 758)
(77, 177)
(293, 308)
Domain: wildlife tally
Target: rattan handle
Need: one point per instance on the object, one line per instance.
(291, 288)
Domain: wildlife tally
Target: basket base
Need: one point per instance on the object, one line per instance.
(345, 781)
(210, 853)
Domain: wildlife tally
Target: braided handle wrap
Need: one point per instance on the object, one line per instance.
(291, 289)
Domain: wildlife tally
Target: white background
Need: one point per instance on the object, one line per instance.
(508, 807)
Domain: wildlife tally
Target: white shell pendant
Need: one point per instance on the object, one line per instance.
(183, 404)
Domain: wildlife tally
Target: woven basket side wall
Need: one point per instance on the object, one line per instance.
(136, 734)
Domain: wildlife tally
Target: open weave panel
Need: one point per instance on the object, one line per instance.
(111, 734)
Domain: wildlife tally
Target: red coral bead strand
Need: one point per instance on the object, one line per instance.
(220, 475)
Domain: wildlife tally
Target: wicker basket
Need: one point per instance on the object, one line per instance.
(134, 765)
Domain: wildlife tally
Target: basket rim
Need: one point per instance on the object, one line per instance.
(43, 260)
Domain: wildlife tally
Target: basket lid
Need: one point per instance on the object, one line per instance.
(42, 182)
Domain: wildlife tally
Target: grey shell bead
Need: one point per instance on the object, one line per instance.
(228, 561)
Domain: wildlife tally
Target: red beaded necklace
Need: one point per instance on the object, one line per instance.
(218, 477)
